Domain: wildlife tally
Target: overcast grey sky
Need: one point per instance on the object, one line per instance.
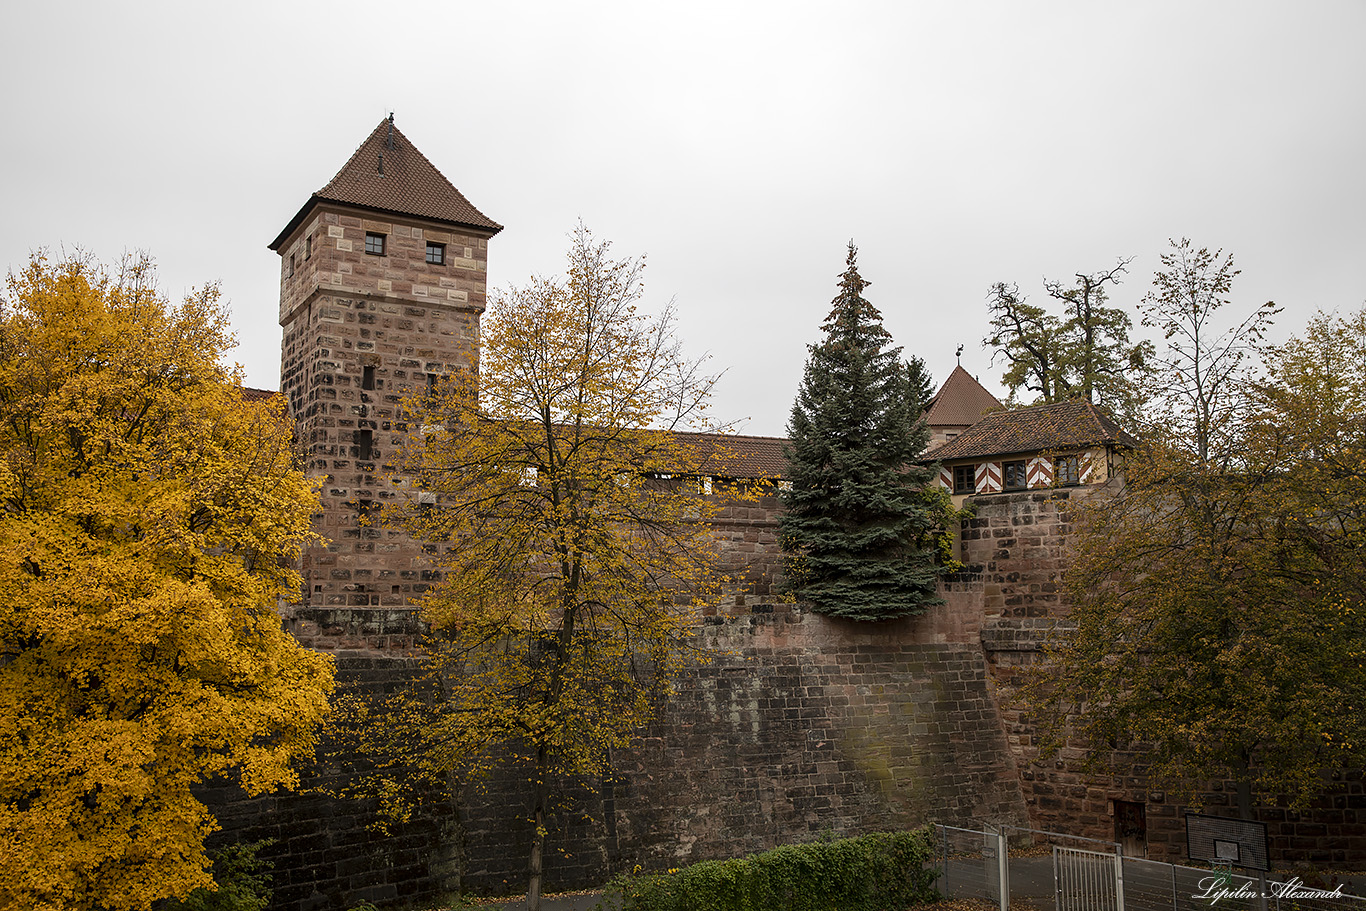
(739, 145)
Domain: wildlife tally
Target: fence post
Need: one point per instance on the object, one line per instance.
(1119, 879)
(945, 832)
(1172, 867)
(1057, 881)
(1003, 866)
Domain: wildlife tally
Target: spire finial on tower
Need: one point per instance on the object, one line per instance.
(959, 355)
(389, 140)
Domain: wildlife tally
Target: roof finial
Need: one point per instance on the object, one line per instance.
(959, 355)
(389, 140)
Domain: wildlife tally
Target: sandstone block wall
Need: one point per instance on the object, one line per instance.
(801, 725)
(361, 333)
(1015, 548)
(746, 533)
(324, 853)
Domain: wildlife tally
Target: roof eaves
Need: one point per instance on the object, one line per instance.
(316, 200)
(294, 223)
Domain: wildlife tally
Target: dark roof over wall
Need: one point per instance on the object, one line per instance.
(722, 455)
(960, 402)
(1039, 428)
(732, 456)
(409, 185)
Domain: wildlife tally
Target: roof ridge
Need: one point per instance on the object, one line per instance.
(400, 181)
(1035, 428)
(729, 436)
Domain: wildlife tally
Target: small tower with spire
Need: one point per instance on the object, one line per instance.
(383, 278)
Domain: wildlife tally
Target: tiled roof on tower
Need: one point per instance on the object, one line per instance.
(388, 174)
(960, 402)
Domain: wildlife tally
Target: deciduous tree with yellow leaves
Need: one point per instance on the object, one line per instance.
(1219, 597)
(571, 531)
(147, 514)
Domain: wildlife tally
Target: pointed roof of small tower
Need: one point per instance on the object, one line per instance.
(388, 174)
(960, 402)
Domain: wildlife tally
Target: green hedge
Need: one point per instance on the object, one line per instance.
(881, 872)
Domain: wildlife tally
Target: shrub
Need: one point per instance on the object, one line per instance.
(243, 884)
(879, 872)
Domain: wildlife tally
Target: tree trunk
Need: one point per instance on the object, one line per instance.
(1244, 791)
(533, 888)
(1244, 798)
(538, 818)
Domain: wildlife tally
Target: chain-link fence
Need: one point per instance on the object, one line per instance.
(1010, 865)
(970, 863)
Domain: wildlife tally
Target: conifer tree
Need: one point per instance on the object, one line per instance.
(919, 385)
(857, 517)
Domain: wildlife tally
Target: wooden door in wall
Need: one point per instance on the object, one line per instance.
(1131, 828)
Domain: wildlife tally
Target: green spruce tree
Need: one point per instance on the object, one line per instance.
(919, 387)
(857, 521)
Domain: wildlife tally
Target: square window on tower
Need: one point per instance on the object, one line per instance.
(374, 244)
(436, 254)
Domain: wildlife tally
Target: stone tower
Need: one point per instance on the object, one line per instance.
(383, 276)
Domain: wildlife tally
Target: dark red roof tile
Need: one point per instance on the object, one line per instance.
(960, 402)
(1038, 428)
(726, 455)
(409, 184)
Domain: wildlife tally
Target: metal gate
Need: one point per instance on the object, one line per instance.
(1087, 880)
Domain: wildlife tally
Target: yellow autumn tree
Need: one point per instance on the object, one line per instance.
(147, 515)
(571, 531)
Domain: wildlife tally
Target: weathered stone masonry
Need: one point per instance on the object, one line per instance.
(361, 332)
(801, 725)
(1016, 551)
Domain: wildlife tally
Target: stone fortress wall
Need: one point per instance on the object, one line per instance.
(802, 725)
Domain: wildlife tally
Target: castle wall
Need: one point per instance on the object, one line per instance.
(322, 852)
(1015, 548)
(800, 725)
(362, 333)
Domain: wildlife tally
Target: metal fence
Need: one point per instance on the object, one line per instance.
(1015, 866)
(1087, 880)
(971, 864)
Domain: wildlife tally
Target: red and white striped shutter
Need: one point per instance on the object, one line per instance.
(988, 477)
(1040, 472)
(1087, 468)
(946, 478)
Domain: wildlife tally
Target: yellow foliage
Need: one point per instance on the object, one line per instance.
(569, 523)
(575, 541)
(148, 516)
